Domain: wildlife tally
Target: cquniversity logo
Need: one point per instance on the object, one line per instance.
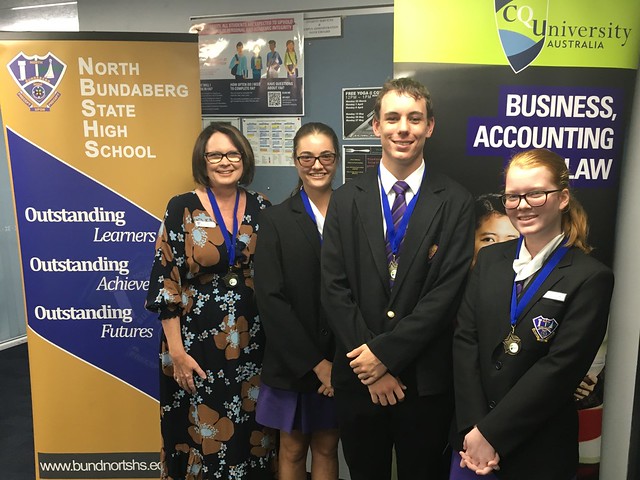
(522, 26)
(38, 77)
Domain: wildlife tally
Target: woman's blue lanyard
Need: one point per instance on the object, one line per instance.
(307, 207)
(395, 238)
(229, 240)
(517, 306)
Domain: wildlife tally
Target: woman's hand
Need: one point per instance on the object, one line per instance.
(479, 455)
(184, 367)
(183, 364)
(323, 372)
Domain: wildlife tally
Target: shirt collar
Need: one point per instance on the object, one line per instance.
(414, 180)
(525, 266)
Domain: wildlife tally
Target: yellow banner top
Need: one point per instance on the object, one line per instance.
(568, 33)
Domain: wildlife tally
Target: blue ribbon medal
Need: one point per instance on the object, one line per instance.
(395, 237)
(231, 278)
(512, 342)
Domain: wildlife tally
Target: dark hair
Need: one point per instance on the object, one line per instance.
(271, 42)
(486, 205)
(314, 128)
(575, 225)
(239, 44)
(199, 164)
(404, 86)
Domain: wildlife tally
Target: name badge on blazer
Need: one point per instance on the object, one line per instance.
(544, 328)
(205, 224)
(551, 295)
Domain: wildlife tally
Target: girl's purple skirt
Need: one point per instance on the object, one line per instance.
(286, 410)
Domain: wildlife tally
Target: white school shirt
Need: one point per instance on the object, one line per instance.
(318, 216)
(387, 180)
(525, 266)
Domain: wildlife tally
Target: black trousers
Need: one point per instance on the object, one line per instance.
(417, 427)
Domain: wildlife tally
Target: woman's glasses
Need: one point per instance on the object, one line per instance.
(309, 160)
(216, 157)
(536, 198)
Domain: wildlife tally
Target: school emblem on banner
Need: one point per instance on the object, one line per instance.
(544, 328)
(522, 28)
(38, 77)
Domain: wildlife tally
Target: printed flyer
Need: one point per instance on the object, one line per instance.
(252, 65)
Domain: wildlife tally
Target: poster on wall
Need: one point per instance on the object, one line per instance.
(271, 140)
(357, 112)
(91, 173)
(358, 159)
(536, 74)
(252, 65)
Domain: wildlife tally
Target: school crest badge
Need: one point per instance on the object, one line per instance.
(544, 328)
(38, 77)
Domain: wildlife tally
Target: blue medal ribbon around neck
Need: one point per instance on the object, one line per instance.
(517, 307)
(229, 240)
(307, 207)
(395, 238)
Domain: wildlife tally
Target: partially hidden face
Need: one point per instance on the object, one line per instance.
(494, 228)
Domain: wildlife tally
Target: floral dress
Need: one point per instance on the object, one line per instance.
(211, 434)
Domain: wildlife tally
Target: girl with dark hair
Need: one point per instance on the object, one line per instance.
(296, 394)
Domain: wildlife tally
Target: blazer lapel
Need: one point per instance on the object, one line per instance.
(427, 205)
(368, 205)
(554, 277)
(502, 286)
(306, 224)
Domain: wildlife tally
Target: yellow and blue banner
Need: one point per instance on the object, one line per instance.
(99, 129)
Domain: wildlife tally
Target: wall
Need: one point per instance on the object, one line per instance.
(624, 327)
(173, 16)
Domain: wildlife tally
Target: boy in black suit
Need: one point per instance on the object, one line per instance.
(398, 243)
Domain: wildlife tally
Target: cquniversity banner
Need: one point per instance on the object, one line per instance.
(508, 76)
(99, 130)
(513, 75)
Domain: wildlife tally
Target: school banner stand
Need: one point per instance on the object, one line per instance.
(508, 76)
(99, 129)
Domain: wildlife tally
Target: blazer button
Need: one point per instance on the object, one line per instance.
(324, 332)
(492, 404)
(498, 365)
(391, 314)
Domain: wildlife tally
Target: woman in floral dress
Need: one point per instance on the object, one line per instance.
(201, 285)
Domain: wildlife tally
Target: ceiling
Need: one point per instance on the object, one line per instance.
(38, 15)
